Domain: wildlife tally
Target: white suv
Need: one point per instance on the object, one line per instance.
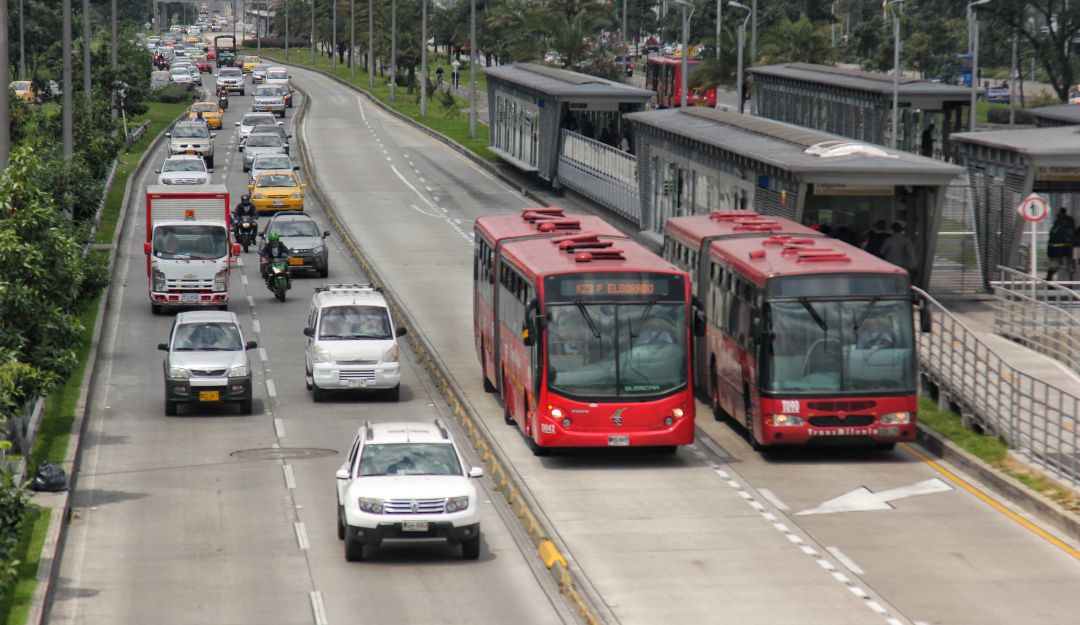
(406, 480)
(351, 341)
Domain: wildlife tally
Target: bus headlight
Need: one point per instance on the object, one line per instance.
(896, 418)
(785, 420)
(677, 413)
(556, 413)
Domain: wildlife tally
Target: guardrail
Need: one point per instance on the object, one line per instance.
(137, 133)
(1037, 420)
(1041, 315)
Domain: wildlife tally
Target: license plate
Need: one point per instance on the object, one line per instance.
(889, 430)
(355, 382)
(190, 152)
(293, 260)
(279, 202)
(618, 441)
(414, 526)
(208, 396)
(189, 298)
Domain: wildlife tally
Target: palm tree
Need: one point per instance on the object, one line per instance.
(801, 41)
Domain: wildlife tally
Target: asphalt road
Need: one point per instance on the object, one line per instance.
(172, 525)
(717, 533)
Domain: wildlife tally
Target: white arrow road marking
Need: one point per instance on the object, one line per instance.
(863, 500)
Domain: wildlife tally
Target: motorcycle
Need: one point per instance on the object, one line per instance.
(278, 280)
(245, 233)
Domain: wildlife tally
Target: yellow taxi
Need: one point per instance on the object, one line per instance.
(192, 39)
(211, 113)
(274, 191)
(23, 90)
(251, 62)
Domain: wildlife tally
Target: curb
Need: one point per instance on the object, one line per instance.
(550, 550)
(52, 550)
(1003, 485)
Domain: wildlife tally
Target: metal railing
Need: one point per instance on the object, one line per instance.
(1041, 315)
(1036, 419)
(600, 158)
(603, 174)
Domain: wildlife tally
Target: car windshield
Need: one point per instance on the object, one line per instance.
(180, 71)
(276, 162)
(211, 337)
(190, 242)
(187, 164)
(263, 141)
(295, 228)
(353, 322)
(230, 72)
(20, 85)
(195, 131)
(276, 180)
(832, 346)
(277, 74)
(204, 107)
(251, 120)
(409, 459)
(268, 91)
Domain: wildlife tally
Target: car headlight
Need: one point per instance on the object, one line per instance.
(896, 418)
(391, 354)
(297, 195)
(159, 279)
(457, 504)
(239, 371)
(322, 354)
(782, 420)
(167, 181)
(179, 373)
(258, 196)
(372, 505)
(318, 249)
(219, 280)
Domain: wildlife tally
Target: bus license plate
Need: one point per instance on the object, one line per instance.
(618, 441)
(189, 298)
(888, 430)
(208, 396)
(414, 526)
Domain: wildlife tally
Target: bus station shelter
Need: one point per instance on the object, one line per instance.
(697, 160)
(1056, 115)
(858, 104)
(1005, 166)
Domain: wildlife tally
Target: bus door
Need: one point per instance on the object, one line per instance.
(699, 317)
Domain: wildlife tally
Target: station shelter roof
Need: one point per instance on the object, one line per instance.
(1033, 142)
(910, 89)
(816, 156)
(1058, 114)
(565, 84)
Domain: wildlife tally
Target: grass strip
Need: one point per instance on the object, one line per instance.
(993, 451)
(451, 120)
(15, 604)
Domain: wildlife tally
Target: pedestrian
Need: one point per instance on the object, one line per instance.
(898, 248)
(438, 76)
(875, 238)
(1059, 245)
(928, 141)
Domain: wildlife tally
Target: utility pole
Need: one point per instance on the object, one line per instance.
(68, 126)
(333, 36)
(370, 45)
(5, 97)
(753, 33)
(312, 32)
(423, 58)
(86, 51)
(286, 30)
(114, 63)
(22, 42)
(393, 50)
(626, 46)
(684, 60)
(258, 29)
(473, 58)
(719, 27)
(352, 37)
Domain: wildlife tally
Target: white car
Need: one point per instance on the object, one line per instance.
(351, 341)
(181, 75)
(249, 121)
(186, 169)
(407, 481)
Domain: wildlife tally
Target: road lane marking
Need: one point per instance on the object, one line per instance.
(773, 499)
(290, 477)
(318, 610)
(243, 279)
(258, 326)
(279, 427)
(251, 301)
(877, 607)
(955, 479)
(862, 499)
(360, 105)
(262, 354)
(301, 536)
(846, 561)
(239, 261)
(271, 390)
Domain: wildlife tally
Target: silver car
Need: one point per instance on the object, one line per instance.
(269, 98)
(192, 137)
(249, 121)
(231, 78)
(207, 362)
(261, 143)
(183, 169)
(270, 162)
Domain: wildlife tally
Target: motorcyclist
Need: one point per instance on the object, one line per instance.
(244, 210)
(223, 97)
(272, 250)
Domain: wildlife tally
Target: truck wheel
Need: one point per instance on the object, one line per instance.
(318, 395)
(470, 549)
(155, 309)
(354, 550)
(170, 408)
(325, 270)
(210, 162)
(340, 523)
(245, 406)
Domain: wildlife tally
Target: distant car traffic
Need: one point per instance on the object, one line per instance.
(249, 121)
(270, 99)
(232, 79)
(270, 162)
(190, 137)
(211, 113)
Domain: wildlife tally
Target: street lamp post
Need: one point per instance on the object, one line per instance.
(352, 38)
(370, 45)
(5, 101)
(719, 25)
(312, 32)
(742, 46)
(22, 42)
(86, 54)
(684, 61)
(68, 125)
(474, 57)
(393, 50)
(333, 36)
(896, 6)
(286, 30)
(973, 41)
(423, 58)
(258, 30)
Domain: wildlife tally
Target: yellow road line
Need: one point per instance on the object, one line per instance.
(959, 481)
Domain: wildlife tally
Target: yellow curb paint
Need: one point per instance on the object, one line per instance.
(1038, 531)
(549, 554)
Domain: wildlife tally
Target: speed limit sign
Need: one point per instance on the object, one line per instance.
(1034, 208)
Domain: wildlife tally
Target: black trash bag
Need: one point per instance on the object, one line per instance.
(50, 478)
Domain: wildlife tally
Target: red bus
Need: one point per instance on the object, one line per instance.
(663, 74)
(807, 339)
(584, 333)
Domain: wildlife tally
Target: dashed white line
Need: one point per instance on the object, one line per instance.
(257, 326)
(301, 536)
(846, 561)
(262, 354)
(290, 478)
(251, 301)
(360, 105)
(279, 428)
(317, 608)
(239, 261)
(271, 390)
(877, 607)
(243, 279)
(773, 499)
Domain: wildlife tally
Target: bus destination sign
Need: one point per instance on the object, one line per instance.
(609, 286)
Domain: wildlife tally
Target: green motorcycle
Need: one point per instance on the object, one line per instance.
(278, 280)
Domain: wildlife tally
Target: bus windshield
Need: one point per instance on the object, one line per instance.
(826, 347)
(600, 347)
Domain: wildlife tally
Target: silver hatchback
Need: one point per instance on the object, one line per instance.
(207, 361)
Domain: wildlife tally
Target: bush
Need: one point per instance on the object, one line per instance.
(173, 94)
(1000, 115)
(12, 508)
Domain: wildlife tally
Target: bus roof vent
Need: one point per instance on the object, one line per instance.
(572, 246)
(756, 225)
(820, 256)
(584, 237)
(550, 225)
(536, 214)
(757, 254)
(786, 240)
(610, 254)
(731, 215)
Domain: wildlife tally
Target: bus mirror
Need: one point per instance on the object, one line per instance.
(695, 302)
(926, 321)
(526, 335)
(699, 323)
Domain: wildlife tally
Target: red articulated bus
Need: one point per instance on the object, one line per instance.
(807, 339)
(663, 74)
(583, 332)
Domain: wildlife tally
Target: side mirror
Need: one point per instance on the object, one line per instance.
(168, 134)
(236, 123)
(325, 233)
(288, 136)
(309, 332)
(241, 147)
(343, 472)
(296, 168)
(251, 345)
(476, 472)
(235, 249)
(146, 248)
(527, 336)
(699, 323)
(303, 185)
(401, 331)
(210, 171)
(213, 135)
(281, 123)
(164, 347)
(157, 171)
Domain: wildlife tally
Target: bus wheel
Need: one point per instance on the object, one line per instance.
(488, 386)
(718, 411)
(750, 436)
(508, 416)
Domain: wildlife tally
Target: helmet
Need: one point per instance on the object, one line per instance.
(274, 237)
(245, 199)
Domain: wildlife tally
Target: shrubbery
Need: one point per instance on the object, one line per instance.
(173, 93)
(1000, 115)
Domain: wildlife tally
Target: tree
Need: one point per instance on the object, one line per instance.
(1048, 30)
(801, 41)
